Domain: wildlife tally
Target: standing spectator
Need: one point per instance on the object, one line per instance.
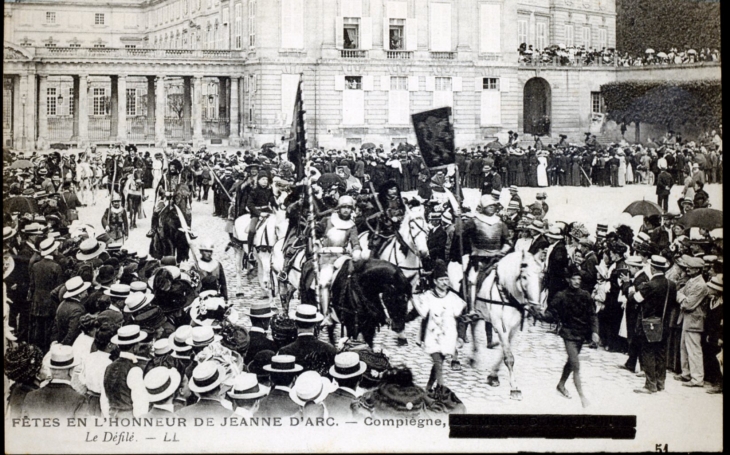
(45, 276)
(713, 334)
(67, 326)
(663, 186)
(693, 305)
(57, 398)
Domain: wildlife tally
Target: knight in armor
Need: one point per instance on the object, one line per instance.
(114, 220)
(261, 200)
(394, 209)
(207, 266)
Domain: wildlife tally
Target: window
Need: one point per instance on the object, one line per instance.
(491, 102)
(238, 28)
(74, 45)
(587, 37)
(351, 32)
(132, 101)
(130, 46)
(51, 101)
(443, 95)
(50, 45)
(396, 34)
(251, 23)
(596, 103)
(71, 101)
(440, 26)
(292, 24)
(602, 38)
(399, 83)
(99, 19)
(443, 84)
(399, 101)
(50, 17)
(490, 83)
(99, 45)
(522, 32)
(541, 35)
(353, 82)
(490, 27)
(289, 85)
(569, 35)
(99, 101)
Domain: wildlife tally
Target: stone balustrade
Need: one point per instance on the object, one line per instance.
(135, 53)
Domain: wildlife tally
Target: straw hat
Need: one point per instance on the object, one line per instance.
(9, 233)
(308, 313)
(283, 364)
(62, 357)
(129, 334)
(206, 376)
(659, 262)
(48, 246)
(161, 382)
(136, 301)
(178, 339)
(161, 347)
(347, 365)
(310, 386)
(554, 233)
(246, 387)
(202, 336)
(75, 286)
(118, 291)
(89, 249)
(716, 282)
(260, 310)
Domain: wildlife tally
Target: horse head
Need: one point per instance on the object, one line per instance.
(529, 279)
(414, 230)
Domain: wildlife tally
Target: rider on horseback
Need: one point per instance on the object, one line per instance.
(260, 200)
(393, 210)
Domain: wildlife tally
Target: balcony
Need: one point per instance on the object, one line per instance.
(112, 52)
(443, 55)
(407, 55)
(350, 53)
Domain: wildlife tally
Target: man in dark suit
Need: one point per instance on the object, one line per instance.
(206, 384)
(347, 371)
(125, 374)
(282, 371)
(557, 265)
(57, 398)
(161, 384)
(664, 182)
(308, 350)
(246, 394)
(260, 314)
(655, 298)
(45, 276)
(67, 325)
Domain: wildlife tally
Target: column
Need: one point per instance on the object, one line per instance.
(197, 111)
(122, 105)
(114, 108)
(17, 132)
(151, 104)
(187, 108)
(160, 140)
(42, 141)
(74, 102)
(27, 105)
(233, 136)
(82, 108)
(222, 97)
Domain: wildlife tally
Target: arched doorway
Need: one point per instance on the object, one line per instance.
(537, 107)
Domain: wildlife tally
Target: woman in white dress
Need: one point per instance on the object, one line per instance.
(156, 173)
(542, 179)
(621, 169)
(629, 172)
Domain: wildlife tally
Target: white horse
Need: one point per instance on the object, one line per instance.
(407, 247)
(501, 300)
(288, 287)
(270, 229)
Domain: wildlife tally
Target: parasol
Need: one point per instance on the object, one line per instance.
(692, 52)
(22, 164)
(661, 55)
(367, 145)
(708, 219)
(268, 145)
(20, 204)
(650, 51)
(643, 208)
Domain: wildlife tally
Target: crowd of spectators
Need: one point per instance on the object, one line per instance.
(559, 54)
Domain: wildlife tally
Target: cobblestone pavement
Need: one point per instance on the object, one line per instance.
(539, 358)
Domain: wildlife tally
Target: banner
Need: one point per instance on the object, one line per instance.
(435, 135)
(298, 138)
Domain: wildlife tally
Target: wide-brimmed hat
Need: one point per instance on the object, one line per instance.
(179, 338)
(129, 334)
(8, 233)
(486, 200)
(308, 313)
(33, 229)
(246, 387)
(23, 362)
(283, 364)
(89, 249)
(106, 275)
(347, 365)
(716, 282)
(259, 361)
(554, 233)
(161, 347)
(118, 291)
(161, 382)
(136, 301)
(659, 262)
(207, 376)
(75, 286)
(634, 261)
(208, 311)
(260, 310)
(202, 336)
(537, 226)
(691, 262)
(62, 357)
(310, 386)
(138, 286)
(48, 246)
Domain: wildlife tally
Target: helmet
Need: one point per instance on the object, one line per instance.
(346, 201)
(206, 245)
(116, 198)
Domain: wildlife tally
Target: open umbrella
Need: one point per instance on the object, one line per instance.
(367, 145)
(268, 145)
(20, 204)
(692, 52)
(650, 51)
(661, 55)
(643, 208)
(22, 164)
(702, 218)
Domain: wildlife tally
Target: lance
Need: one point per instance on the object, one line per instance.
(219, 182)
(312, 223)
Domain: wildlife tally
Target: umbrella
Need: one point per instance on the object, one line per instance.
(22, 164)
(661, 55)
(20, 204)
(650, 51)
(692, 52)
(702, 218)
(643, 208)
(367, 145)
(268, 145)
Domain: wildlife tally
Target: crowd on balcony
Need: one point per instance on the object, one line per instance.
(559, 54)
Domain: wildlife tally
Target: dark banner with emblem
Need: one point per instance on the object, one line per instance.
(298, 139)
(435, 135)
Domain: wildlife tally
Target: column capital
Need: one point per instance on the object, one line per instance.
(42, 75)
(84, 75)
(122, 76)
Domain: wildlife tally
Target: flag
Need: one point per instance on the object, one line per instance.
(298, 138)
(435, 135)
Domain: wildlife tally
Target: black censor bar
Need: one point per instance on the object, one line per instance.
(548, 426)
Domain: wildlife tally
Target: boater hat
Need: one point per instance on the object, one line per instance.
(160, 383)
(347, 365)
(161, 347)
(75, 286)
(659, 262)
(48, 246)
(283, 364)
(554, 233)
(634, 261)
(202, 336)
(136, 301)
(8, 233)
(716, 282)
(89, 249)
(178, 339)
(118, 291)
(206, 377)
(246, 387)
(310, 386)
(260, 310)
(62, 357)
(129, 334)
(308, 313)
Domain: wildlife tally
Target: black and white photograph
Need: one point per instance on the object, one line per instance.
(316, 226)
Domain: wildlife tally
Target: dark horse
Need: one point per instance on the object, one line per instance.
(169, 238)
(363, 292)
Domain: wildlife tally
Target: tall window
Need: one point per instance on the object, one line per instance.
(351, 32)
(353, 101)
(490, 25)
(443, 84)
(569, 35)
(99, 19)
(443, 94)
(541, 35)
(397, 39)
(238, 28)
(522, 31)
(398, 101)
(251, 93)
(251, 23)
(51, 101)
(596, 103)
(440, 26)
(99, 101)
(292, 24)
(131, 101)
(587, 37)
(491, 102)
(71, 101)
(602, 38)
(50, 17)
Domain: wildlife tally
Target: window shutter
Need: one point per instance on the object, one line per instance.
(504, 84)
(339, 82)
(412, 83)
(366, 30)
(367, 83)
(339, 32)
(385, 83)
(430, 83)
(478, 84)
(411, 34)
(456, 84)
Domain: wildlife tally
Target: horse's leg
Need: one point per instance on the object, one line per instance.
(239, 270)
(479, 344)
(509, 325)
(504, 353)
